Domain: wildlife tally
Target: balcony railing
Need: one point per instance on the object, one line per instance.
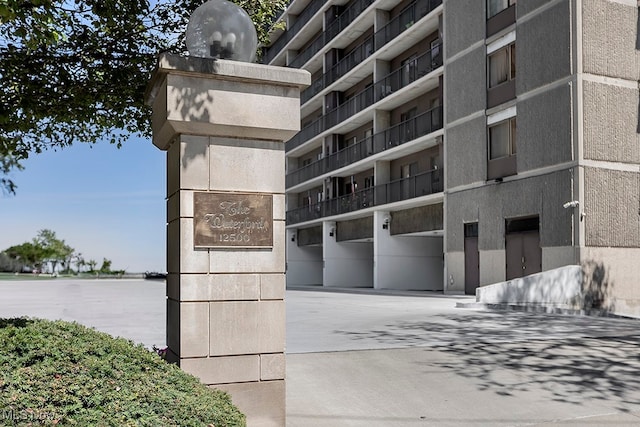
(394, 136)
(350, 13)
(409, 72)
(403, 21)
(291, 32)
(357, 103)
(408, 130)
(342, 22)
(353, 58)
(396, 26)
(384, 87)
(368, 47)
(409, 188)
(316, 86)
(403, 189)
(309, 131)
(397, 79)
(308, 52)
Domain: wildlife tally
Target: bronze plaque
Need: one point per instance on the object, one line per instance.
(232, 220)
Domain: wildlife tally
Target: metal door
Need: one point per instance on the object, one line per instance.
(531, 253)
(523, 254)
(471, 265)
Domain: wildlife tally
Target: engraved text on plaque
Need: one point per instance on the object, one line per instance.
(232, 220)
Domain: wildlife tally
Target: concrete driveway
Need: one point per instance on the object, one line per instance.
(362, 359)
(380, 360)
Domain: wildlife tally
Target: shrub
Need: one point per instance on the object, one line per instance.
(61, 373)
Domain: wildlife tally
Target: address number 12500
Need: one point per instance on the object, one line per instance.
(234, 238)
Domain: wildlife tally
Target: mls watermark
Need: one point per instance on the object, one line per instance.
(25, 415)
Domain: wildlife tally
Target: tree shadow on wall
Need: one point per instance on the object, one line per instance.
(597, 287)
(192, 102)
(576, 360)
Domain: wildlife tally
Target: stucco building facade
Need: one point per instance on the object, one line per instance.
(451, 144)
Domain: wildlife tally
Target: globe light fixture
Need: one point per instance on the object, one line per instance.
(223, 30)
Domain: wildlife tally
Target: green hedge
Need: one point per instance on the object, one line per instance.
(61, 373)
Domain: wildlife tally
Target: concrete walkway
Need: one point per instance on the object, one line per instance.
(380, 360)
(363, 359)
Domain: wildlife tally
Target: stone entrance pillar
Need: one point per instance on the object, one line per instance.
(223, 125)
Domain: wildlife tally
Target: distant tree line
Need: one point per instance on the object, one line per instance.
(46, 253)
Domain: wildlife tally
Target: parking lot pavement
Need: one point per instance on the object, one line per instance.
(129, 308)
(319, 321)
(379, 359)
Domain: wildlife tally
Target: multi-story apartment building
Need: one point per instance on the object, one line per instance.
(450, 144)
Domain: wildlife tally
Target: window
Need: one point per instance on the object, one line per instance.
(496, 6)
(502, 65)
(502, 139)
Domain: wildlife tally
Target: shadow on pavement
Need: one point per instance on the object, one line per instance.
(569, 359)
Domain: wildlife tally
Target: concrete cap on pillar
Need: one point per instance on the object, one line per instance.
(208, 96)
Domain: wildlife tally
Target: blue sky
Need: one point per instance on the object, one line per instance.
(103, 201)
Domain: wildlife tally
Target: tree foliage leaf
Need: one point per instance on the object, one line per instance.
(76, 72)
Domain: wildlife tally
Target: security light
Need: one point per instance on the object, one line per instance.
(386, 220)
(571, 204)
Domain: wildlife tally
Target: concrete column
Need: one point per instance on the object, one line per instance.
(381, 120)
(381, 69)
(223, 125)
(381, 19)
(290, 55)
(382, 172)
(291, 19)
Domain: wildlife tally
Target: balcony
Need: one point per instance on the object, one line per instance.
(394, 136)
(353, 58)
(353, 105)
(409, 72)
(403, 189)
(394, 81)
(409, 16)
(316, 87)
(351, 12)
(408, 188)
(413, 13)
(302, 19)
(302, 57)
